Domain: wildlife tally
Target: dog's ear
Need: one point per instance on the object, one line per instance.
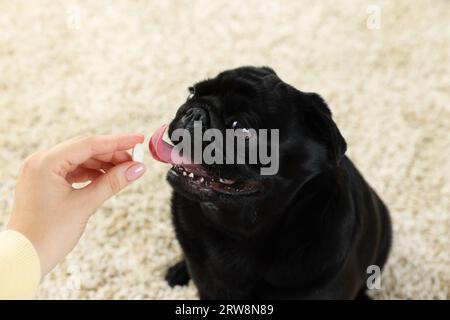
(268, 70)
(318, 119)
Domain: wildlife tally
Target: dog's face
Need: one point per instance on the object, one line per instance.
(256, 98)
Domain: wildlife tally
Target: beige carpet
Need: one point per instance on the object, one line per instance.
(72, 67)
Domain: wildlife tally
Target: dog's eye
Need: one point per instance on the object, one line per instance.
(191, 93)
(245, 131)
(236, 125)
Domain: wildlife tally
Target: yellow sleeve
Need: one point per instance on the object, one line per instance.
(20, 269)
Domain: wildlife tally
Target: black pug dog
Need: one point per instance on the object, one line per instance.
(308, 232)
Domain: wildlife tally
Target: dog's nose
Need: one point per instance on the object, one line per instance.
(195, 114)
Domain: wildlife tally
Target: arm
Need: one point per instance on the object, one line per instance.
(49, 215)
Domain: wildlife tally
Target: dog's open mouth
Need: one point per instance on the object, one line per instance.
(203, 180)
(196, 176)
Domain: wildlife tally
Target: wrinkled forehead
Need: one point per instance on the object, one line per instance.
(245, 81)
(224, 87)
(238, 90)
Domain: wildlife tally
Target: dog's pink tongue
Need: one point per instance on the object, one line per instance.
(161, 150)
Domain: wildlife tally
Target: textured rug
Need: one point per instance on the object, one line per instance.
(68, 68)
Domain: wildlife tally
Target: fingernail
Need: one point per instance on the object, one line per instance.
(135, 171)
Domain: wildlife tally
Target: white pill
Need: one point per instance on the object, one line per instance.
(138, 152)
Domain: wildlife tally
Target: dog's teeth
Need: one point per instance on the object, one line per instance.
(184, 173)
(221, 180)
(191, 175)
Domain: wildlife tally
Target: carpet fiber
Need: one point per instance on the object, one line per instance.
(68, 68)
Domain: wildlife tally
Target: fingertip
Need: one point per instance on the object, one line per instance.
(135, 171)
(136, 135)
(141, 138)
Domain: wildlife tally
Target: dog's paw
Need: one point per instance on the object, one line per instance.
(178, 274)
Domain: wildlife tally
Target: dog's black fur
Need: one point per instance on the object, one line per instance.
(310, 232)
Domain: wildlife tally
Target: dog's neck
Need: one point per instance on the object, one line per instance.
(231, 218)
(250, 218)
(245, 219)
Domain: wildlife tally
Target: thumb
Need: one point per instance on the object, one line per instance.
(110, 183)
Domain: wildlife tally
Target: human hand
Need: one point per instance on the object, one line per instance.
(49, 211)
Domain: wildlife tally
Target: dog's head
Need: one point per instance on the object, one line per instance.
(256, 98)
